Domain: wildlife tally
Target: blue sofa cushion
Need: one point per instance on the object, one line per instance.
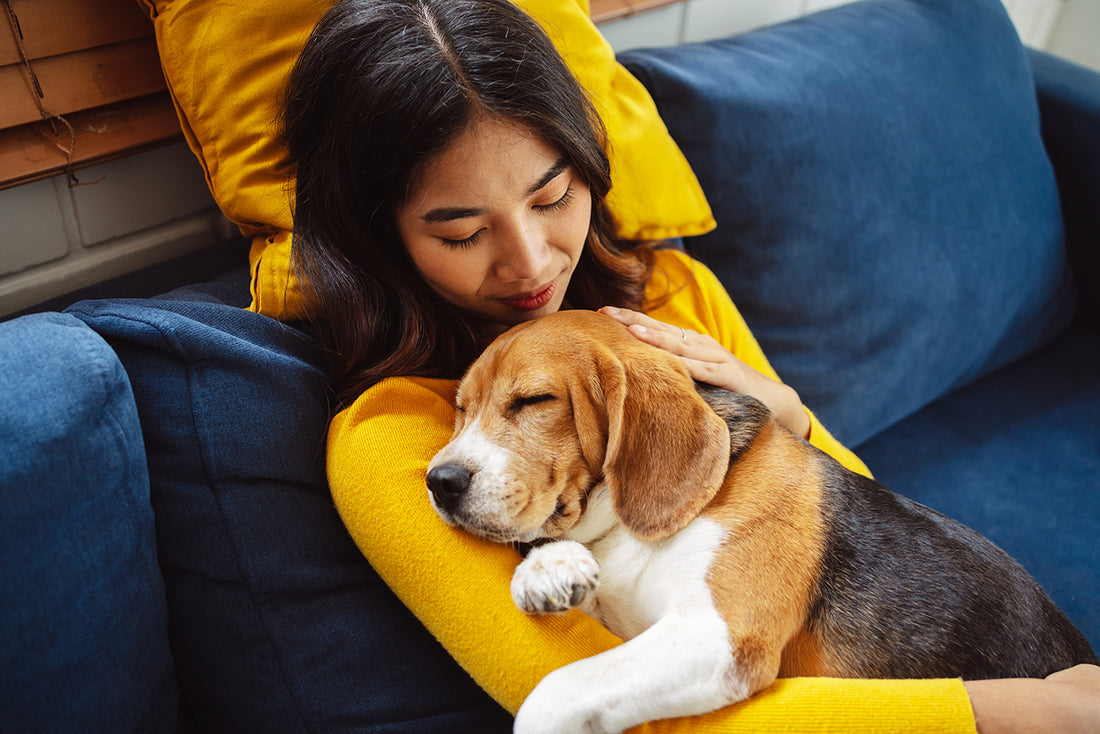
(1016, 456)
(888, 221)
(83, 618)
(277, 621)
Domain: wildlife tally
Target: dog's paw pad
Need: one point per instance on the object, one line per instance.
(555, 578)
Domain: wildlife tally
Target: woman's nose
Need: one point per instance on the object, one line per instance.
(524, 256)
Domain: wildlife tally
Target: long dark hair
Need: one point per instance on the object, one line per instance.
(380, 87)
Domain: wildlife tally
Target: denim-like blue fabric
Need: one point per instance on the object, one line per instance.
(888, 221)
(1016, 456)
(83, 631)
(277, 621)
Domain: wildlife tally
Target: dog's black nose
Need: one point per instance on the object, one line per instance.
(447, 482)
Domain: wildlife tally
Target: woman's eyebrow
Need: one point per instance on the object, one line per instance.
(451, 213)
(553, 172)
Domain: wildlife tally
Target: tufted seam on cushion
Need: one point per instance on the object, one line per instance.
(115, 387)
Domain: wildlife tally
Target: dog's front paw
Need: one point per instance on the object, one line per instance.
(555, 578)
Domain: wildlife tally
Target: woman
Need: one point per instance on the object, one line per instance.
(451, 182)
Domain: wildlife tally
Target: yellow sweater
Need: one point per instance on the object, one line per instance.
(458, 585)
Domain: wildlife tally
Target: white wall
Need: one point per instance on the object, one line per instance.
(155, 206)
(1067, 27)
(700, 20)
(1076, 35)
(127, 214)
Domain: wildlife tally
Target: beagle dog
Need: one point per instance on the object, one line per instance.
(724, 549)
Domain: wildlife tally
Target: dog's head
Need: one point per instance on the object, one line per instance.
(558, 405)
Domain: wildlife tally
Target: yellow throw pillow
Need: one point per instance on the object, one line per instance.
(227, 63)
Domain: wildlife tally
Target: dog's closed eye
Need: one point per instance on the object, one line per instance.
(524, 401)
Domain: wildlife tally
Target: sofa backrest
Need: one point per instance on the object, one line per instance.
(888, 220)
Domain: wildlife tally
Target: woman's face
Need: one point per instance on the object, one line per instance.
(497, 222)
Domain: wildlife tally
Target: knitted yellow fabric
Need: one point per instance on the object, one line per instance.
(458, 585)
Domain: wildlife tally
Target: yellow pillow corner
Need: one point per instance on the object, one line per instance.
(275, 290)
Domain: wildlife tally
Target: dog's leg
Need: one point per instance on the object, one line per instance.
(555, 578)
(681, 666)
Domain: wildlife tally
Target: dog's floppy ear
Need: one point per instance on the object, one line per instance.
(589, 412)
(667, 451)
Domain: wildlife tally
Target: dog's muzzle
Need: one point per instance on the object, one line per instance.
(448, 483)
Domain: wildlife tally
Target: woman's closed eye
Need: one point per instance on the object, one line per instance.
(561, 203)
(465, 242)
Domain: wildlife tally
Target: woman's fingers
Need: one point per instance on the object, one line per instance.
(692, 346)
(705, 359)
(708, 361)
(650, 330)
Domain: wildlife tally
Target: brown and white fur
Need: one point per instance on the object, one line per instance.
(725, 550)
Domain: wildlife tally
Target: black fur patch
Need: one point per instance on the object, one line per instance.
(744, 415)
(906, 592)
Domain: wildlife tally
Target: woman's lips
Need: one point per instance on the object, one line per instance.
(532, 301)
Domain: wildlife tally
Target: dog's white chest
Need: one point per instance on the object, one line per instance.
(678, 658)
(642, 582)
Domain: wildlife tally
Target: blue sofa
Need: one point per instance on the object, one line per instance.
(909, 218)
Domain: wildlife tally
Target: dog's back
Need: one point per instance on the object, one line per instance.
(904, 592)
(907, 592)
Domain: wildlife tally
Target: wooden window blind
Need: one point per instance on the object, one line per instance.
(81, 84)
(608, 10)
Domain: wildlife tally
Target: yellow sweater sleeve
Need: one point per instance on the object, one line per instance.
(458, 586)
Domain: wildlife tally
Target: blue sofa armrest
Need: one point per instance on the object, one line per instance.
(1069, 104)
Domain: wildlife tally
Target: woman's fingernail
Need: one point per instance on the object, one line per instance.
(610, 310)
(639, 329)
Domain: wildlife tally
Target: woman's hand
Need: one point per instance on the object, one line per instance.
(708, 361)
(1067, 701)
